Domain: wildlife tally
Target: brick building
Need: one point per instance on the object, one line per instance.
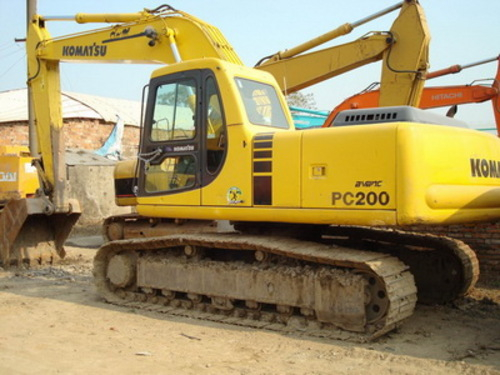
(88, 119)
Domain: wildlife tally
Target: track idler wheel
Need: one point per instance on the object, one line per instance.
(121, 270)
(376, 297)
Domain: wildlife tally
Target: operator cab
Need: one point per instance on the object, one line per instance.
(185, 137)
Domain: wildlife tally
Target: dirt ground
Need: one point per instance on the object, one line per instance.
(53, 322)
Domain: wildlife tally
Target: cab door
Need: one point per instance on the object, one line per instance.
(169, 159)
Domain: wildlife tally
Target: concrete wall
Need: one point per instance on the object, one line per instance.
(93, 186)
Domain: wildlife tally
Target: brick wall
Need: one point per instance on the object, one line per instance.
(483, 238)
(79, 133)
(14, 134)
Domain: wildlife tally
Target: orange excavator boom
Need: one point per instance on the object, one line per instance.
(496, 100)
(435, 97)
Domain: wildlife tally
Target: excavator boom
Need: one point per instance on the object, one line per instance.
(160, 37)
(403, 50)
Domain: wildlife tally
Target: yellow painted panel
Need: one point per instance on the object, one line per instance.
(124, 173)
(18, 178)
(125, 169)
(186, 198)
(235, 175)
(453, 196)
(351, 167)
(463, 183)
(284, 215)
(286, 184)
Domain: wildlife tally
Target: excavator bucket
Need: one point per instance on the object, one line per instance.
(30, 236)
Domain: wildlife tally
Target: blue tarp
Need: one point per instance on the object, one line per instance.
(308, 118)
(113, 146)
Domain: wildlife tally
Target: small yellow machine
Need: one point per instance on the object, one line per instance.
(218, 143)
(18, 176)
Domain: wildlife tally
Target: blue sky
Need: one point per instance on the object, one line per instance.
(463, 31)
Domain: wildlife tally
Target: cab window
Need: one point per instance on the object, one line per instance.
(173, 173)
(262, 103)
(216, 128)
(174, 112)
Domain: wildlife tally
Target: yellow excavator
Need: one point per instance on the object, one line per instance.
(403, 49)
(218, 143)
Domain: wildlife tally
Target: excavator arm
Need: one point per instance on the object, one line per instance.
(403, 50)
(327, 63)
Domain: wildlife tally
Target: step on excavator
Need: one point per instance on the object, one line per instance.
(437, 96)
(308, 252)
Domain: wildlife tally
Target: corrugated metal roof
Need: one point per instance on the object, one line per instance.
(13, 107)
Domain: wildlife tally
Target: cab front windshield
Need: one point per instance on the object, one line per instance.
(262, 104)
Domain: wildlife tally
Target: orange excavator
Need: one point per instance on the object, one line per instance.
(435, 97)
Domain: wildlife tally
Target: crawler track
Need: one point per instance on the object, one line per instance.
(444, 268)
(265, 282)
